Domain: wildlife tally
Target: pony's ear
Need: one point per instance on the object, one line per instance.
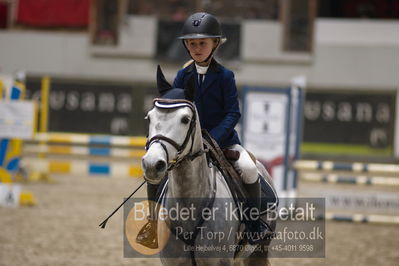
(189, 90)
(162, 84)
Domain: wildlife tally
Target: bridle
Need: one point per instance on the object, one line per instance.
(169, 104)
(180, 148)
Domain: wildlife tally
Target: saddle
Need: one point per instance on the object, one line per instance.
(223, 160)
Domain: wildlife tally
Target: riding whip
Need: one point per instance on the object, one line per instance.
(102, 225)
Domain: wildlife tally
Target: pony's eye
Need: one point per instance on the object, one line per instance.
(185, 119)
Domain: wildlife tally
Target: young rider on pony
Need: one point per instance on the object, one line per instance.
(217, 104)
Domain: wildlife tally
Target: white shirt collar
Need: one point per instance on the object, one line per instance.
(201, 69)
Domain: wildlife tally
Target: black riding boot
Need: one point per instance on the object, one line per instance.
(254, 227)
(148, 236)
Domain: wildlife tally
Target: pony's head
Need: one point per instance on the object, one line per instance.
(171, 132)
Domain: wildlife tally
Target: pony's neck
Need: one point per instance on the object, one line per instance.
(190, 179)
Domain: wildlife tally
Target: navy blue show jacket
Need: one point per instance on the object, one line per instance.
(216, 101)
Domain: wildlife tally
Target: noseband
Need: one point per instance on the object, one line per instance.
(170, 104)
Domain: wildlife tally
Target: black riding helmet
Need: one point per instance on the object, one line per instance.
(202, 25)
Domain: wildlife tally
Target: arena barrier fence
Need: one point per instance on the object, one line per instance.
(357, 167)
(354, 192)
(362, 218)
(64, 153)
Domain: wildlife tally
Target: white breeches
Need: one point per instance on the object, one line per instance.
(245, 164)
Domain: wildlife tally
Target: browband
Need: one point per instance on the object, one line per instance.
(172, 103)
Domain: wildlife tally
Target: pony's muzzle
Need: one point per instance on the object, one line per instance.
(154, 166)
(153, 173)
(160, 166)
